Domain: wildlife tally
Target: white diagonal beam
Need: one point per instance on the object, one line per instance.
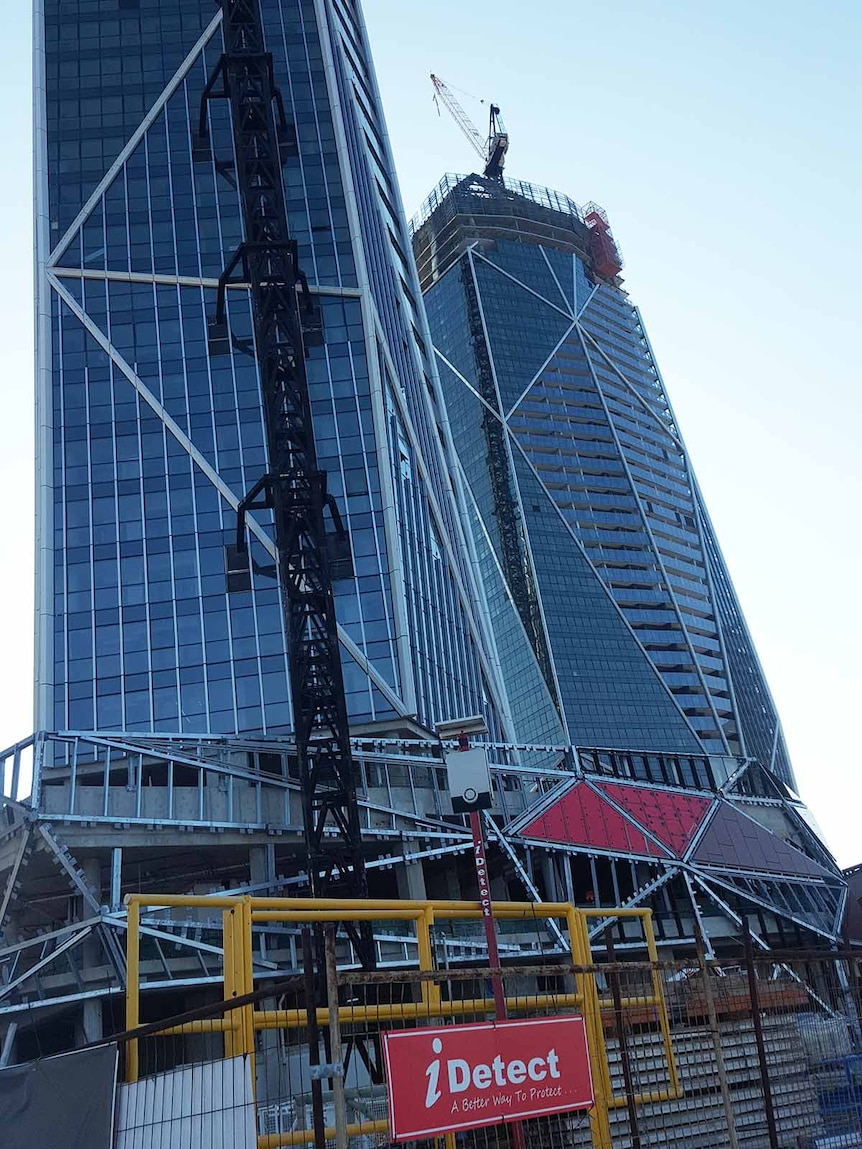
(200, 461)
(667, 853)
(632, 389)
(544, 366)
(526, 880)
(542, 804)
(638, 896)
(467, 384)
(13, 876)
(725, 908)
(698, 916)
(714, 878)
(136, 137)
(75, 940)
(67, 864)
(587, 301)
(42, 939)
(478, 254)
(569, 307)
(120, 922)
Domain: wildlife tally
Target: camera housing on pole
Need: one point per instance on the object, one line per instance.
(467, 773)
(469, 779)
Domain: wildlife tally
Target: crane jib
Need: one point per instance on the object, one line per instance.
(494, 147)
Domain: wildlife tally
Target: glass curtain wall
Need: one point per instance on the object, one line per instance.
(147, 442)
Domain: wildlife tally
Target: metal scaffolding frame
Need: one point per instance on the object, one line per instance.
(113, 815)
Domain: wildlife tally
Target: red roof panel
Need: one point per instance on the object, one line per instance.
(583, 818)
(672, 818)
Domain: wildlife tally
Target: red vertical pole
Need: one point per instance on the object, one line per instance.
(487, 913)
(491, 939)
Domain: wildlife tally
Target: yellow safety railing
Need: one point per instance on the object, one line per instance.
(241, 914)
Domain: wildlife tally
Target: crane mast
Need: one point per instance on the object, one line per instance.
(497, 146)
(491, 150)
(287, 319)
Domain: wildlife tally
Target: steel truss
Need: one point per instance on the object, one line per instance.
(112, 814)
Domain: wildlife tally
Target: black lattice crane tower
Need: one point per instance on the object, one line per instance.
(286, 320)
(493, 149)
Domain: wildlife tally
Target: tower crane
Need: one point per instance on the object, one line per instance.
(493, 149)
(287, 321)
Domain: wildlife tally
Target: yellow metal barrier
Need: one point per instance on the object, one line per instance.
(241, 914)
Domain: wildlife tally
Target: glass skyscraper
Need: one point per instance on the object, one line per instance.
(614, 619)
(147, 443)
(163, 757)
(600, 565)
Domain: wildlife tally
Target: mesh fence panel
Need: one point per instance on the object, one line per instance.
(766, 1054)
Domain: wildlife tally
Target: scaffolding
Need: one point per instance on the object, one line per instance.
(89, 818)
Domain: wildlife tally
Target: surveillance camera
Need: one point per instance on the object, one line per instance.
(469, 779)
(475, 724)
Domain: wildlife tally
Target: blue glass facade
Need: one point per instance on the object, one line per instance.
(546, 363)
(147, 443)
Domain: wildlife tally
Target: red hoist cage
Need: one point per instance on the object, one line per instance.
(604, 252)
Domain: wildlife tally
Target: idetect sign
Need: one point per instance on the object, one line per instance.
(452, 1077)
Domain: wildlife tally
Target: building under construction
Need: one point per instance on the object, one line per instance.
(236, 377)
(614, 619)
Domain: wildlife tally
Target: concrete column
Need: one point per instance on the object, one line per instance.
(411, 881)
(261, 864)
(7, 1045)
(91, 1020)
(92, 872)
(91, 954)
(116, 898)
(454, 888)
(549, 873)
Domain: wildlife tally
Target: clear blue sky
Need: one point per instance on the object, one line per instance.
(723, 140)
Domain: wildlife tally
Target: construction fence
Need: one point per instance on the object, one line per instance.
(751, 1050)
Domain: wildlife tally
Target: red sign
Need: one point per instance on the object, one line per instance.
(462, 1076)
